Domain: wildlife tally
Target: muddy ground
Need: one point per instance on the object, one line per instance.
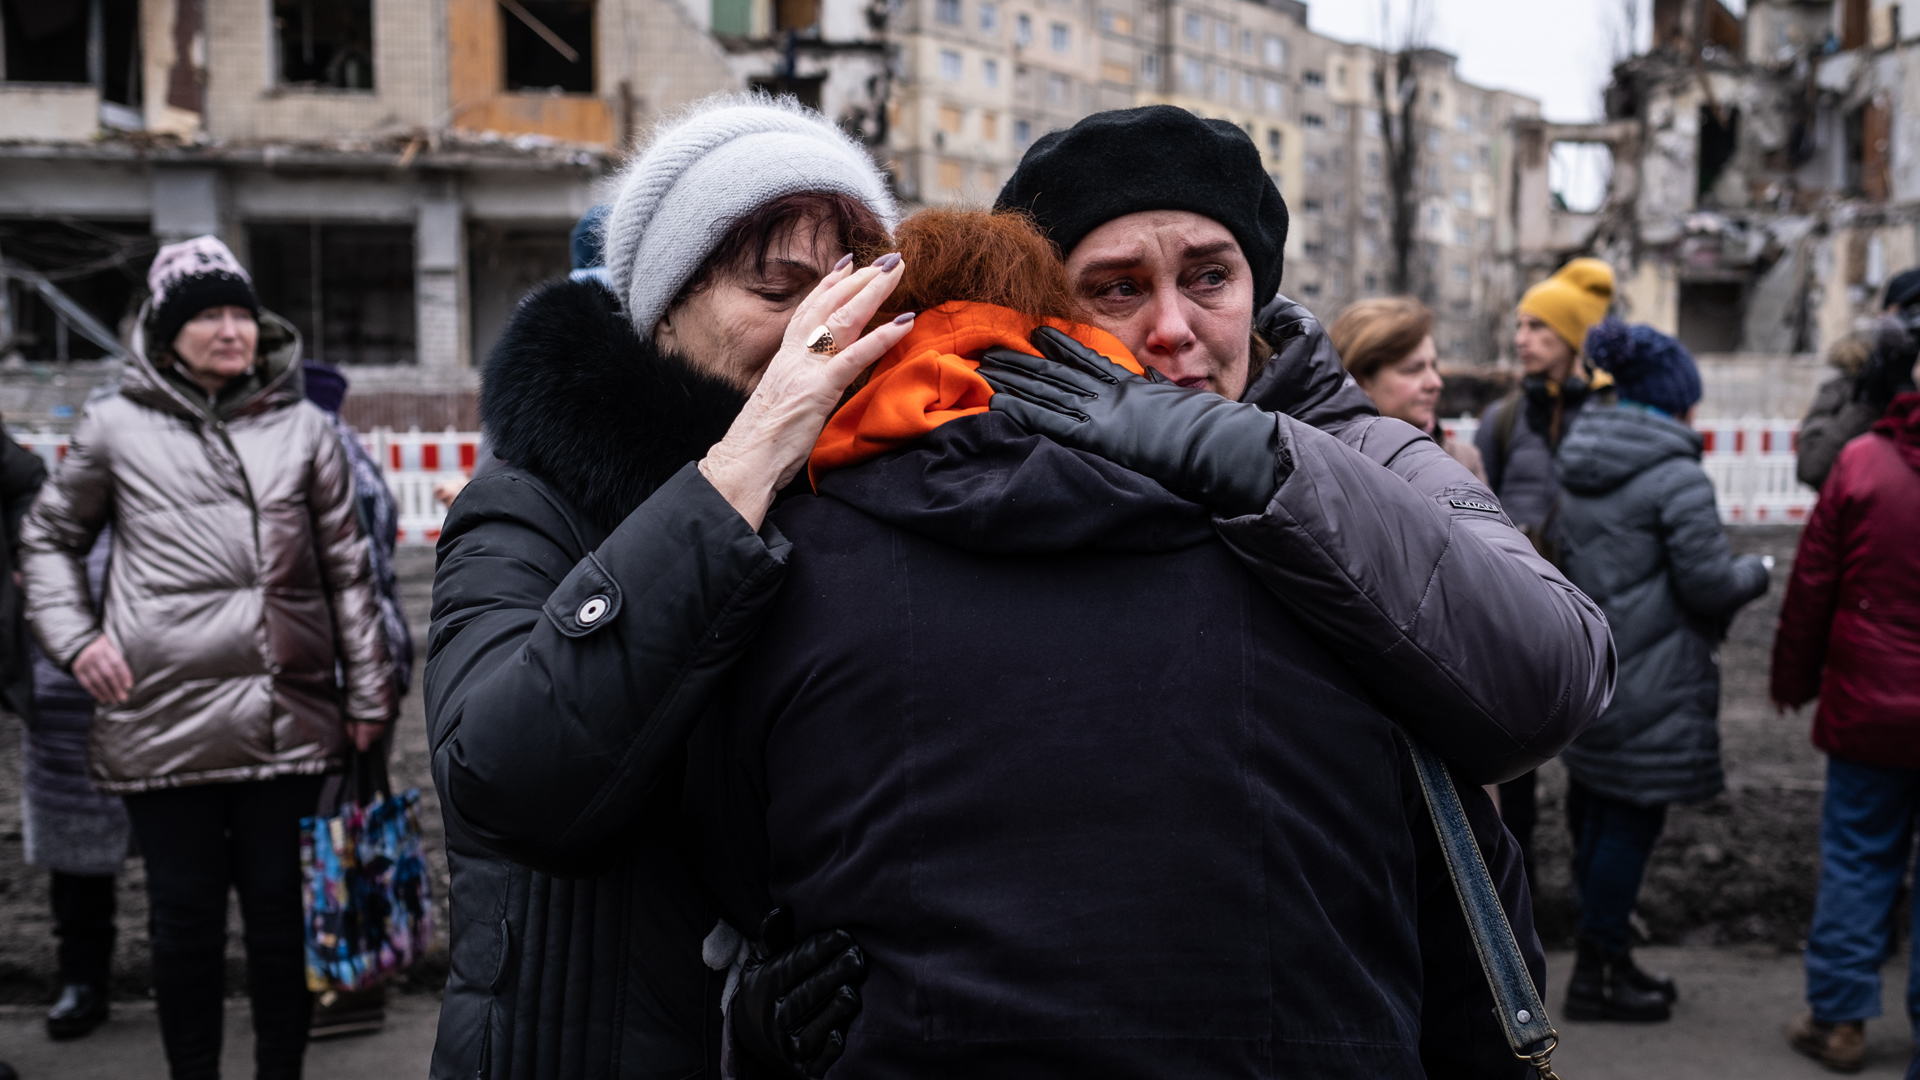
(1737, 869)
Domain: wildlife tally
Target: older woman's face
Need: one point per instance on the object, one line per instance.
(217, 344)
(1410, 388)
(732, 327)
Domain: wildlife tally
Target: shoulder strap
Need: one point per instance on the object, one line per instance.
(1522, 1015)
(1510, 406)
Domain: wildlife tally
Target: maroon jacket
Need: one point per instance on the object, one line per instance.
(1853, 607)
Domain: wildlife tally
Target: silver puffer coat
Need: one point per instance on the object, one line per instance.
(239, 576)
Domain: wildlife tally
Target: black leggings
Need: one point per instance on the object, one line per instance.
(198, 842)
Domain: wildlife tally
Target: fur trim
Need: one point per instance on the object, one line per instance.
(571, 394)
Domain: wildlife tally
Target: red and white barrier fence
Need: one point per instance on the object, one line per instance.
(1750, 462)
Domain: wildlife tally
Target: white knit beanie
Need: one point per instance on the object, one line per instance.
(709, 167)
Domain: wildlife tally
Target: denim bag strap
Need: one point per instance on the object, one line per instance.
(1522, 1015)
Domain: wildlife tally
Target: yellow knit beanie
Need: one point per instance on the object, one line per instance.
(1573, 300)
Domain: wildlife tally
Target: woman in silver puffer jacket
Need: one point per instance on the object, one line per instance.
(239, 648)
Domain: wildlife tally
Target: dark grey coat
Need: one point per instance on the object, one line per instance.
(1642, 536)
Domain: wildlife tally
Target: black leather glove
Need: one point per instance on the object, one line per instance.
(793, 1004)
(1221, 454)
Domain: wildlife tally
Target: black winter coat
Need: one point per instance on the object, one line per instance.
(557, 742)
(1642, 536)
(591, 590)
(1092, 802)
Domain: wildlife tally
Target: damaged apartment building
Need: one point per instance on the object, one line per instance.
(397, 173)
(1766, 173)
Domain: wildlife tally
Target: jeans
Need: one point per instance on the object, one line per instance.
(83, 923)
(1616, 839)
(1866, 841)
(198, 842)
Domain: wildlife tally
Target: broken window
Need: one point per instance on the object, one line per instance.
(1719, 138)
(325, 43)
(1578, 174)
(347, 287)
(1710, 315)
(504, 263)
(89, 42)
(799, 16)
(1868, 158)
(1853, 23)
(549, 45)
(98, 267)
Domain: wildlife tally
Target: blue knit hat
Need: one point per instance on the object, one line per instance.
(1647, 366)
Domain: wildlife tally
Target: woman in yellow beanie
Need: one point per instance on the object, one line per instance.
(1519, 433)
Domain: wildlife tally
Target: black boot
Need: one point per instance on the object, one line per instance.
(1647, 981)
(1601, 990)
(81, 1008)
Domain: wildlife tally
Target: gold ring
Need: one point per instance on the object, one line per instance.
(820, 342)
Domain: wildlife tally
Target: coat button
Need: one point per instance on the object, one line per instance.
(592, 611)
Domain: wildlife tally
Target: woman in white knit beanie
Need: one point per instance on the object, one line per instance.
(594, 590)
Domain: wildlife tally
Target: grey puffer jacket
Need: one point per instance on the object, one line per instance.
(239, 576)
(1642, 537)
(1413, 574)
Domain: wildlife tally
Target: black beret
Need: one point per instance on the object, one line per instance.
(1158, 157)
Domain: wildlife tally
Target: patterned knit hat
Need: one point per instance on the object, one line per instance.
(1647, 366)
(189, 277)
(724, 157)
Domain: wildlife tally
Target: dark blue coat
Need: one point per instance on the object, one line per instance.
(1642, 537)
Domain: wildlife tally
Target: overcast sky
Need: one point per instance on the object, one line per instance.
(1558, 51)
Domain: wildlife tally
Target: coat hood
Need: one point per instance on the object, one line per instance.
(932, 376)
(572, 394)
(1902, 425)
(1611, 444)
(981, 484)
(274, 383)
(917, 448)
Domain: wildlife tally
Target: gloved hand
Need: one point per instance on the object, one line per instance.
(1221, 454)
(793, 1004)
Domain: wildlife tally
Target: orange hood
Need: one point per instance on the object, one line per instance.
(931, 377)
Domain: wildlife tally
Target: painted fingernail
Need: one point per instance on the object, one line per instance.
(845, 261)
(904, 318)
(888, 261)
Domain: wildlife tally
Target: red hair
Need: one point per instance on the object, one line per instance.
(984, 257)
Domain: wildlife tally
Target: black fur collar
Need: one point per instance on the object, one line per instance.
(571, 394)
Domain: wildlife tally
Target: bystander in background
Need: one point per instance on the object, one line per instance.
(75, 833)
(1519, 433)
(1641, 535)
(1874, 367)
(1850, 634)
(239, 649)
(1387, 345)
(353, 1012)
